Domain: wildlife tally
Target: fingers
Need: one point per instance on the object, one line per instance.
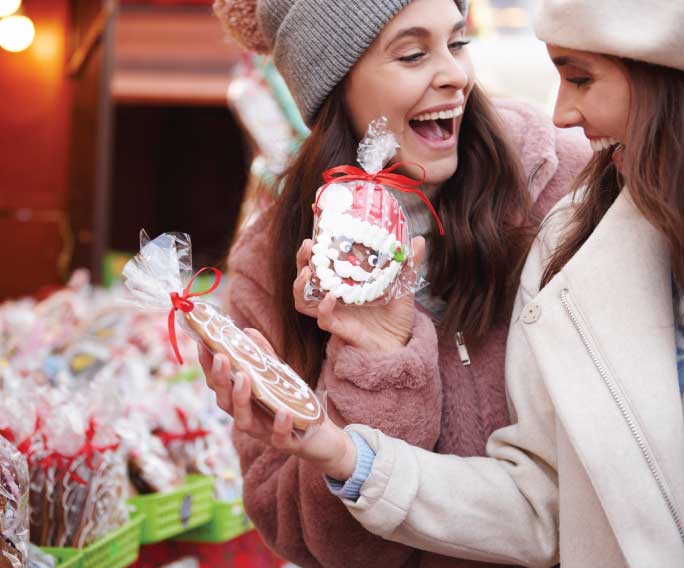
(282, 438)
(304, 254)
(217, 373)
(243, 414)
(224, 398)
(206, 359)
(302, 305)
(260, 340)
(326, 317)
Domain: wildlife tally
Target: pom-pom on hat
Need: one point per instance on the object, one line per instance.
(314, 43)
(645, 30)
(240, 22)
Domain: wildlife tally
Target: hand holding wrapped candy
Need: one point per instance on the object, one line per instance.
(155, 277)
(362, 253)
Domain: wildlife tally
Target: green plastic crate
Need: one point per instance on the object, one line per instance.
(116, 550)
(66, 557)
(228, 521)
(169, 514)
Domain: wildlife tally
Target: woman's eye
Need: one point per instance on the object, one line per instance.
(579, 81)
(373, 260)
(413, 58)
(457, 46)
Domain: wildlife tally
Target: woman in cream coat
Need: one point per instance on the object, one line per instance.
(591, 473)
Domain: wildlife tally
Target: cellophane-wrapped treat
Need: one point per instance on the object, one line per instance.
(78, 479)
(160, 277)
(362, 251)
(14, 511)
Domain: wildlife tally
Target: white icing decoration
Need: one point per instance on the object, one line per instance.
(269, 373)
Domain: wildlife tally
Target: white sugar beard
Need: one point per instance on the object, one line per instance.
(371, 285)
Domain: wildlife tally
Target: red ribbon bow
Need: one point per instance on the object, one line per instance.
(186, 436)
(25, 446)
(385, 177)
(183, 303)
(88, 450)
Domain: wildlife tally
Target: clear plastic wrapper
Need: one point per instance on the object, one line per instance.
(159, 277)
(362, 252)
(40, 559)
(14, 512)
(78, 480)
(150, 466)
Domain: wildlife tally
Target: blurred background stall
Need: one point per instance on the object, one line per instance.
(117, 116)
(114, 117)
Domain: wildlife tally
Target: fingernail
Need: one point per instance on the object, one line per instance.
(216, 365)
(239, 380)
(281, 417)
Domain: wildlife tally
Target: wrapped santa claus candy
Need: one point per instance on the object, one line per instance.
(159, 277)
(362, 251)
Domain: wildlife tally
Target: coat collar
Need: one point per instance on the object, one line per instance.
(619, 286)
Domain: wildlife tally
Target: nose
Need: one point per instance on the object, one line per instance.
(566, 113)
(453, 72)
(353, 260)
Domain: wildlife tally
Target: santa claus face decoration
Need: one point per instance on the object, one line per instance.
(360, 242)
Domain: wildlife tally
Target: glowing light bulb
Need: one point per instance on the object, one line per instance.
(8, 7)
(16, 33)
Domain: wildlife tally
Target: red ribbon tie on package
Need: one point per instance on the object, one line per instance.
(183, 303)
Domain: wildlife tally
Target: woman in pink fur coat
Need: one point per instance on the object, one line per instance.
(429, 369)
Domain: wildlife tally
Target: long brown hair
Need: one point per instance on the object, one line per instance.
(653, 161)
(475, 266)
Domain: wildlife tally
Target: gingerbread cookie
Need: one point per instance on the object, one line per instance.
(10, 557)
(274, 385)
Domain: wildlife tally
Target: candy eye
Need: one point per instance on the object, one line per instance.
(345, 245)
(373, 260)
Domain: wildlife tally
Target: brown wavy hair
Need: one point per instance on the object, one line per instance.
(653, 166)
(484, 207)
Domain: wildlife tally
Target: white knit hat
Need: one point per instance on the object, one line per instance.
(645, 30)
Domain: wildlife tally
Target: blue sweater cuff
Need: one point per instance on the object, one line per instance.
(351, 489)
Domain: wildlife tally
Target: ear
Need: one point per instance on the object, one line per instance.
(239, 19)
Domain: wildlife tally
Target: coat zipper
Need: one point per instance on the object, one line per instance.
(462, 348)
(626, 414)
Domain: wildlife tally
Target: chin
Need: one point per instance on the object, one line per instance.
(436, 172)
(440, 171)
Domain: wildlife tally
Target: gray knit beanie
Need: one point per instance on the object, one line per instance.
(315, 43)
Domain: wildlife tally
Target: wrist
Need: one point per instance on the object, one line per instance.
(342, 467)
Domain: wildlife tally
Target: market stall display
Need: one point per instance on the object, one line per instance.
(101, 413)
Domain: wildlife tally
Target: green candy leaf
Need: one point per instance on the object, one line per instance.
(400, 254)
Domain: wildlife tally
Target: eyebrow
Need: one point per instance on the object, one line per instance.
(422, 32)
(565, 60)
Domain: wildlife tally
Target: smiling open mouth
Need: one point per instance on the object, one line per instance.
(436, 126)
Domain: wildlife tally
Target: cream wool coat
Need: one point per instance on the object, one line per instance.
(591, 473)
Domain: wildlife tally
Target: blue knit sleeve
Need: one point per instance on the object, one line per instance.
(351, 489)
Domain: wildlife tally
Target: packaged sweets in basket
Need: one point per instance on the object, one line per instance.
(14, 511)
(160, 277)
(78, 480)
(362, 252)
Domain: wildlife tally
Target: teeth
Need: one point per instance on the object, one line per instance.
(600, 144)
(441, 115)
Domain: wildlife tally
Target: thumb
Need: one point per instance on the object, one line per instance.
(418, 244)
